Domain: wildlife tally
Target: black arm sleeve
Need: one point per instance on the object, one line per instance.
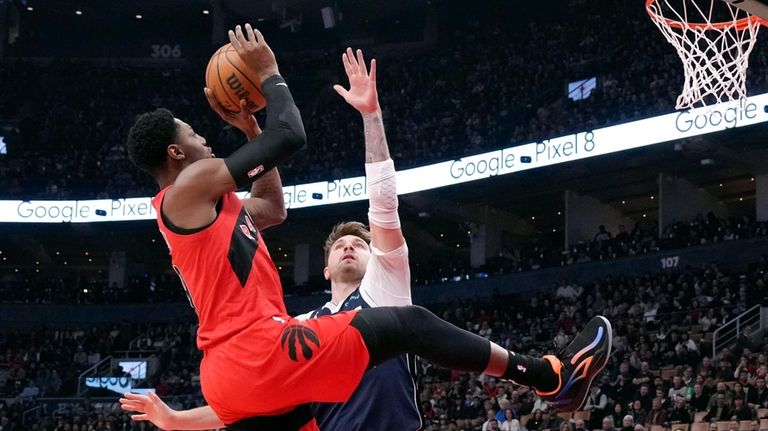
(282, 137)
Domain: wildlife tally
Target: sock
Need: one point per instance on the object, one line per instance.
(530, 371)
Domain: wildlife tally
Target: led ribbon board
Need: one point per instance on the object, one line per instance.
(509, 160)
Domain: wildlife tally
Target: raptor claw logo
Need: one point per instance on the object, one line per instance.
(297, 337)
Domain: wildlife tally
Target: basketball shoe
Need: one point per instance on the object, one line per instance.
(578, 364)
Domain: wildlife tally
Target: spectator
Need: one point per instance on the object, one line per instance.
(607, 424)
(597, 403)
(491, 425)
(678, 390)
(721, 397)
(580, 425)
(741, 411)
(757, 397)
(627, 423)
(511, 423)
(657, 415)
(645, 397)
(699, 399)
(602, 235)
(555, 422)
(638, 413)
(30, 391)
(618, 414)
(536, 422)
(720, 411)
(681, 413)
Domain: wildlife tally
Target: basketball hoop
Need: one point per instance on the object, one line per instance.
(714, 40)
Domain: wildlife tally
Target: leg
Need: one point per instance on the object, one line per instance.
(389, 331)
(298, 419)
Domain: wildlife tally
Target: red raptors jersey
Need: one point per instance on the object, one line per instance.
(226, 270)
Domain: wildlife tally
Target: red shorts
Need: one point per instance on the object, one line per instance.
(276, 365)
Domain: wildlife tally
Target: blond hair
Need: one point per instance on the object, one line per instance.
(343, 229)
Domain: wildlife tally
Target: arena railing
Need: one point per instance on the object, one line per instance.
(747, 323)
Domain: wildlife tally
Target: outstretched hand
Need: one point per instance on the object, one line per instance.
(149, 408)
(243, 120)
(362, 93)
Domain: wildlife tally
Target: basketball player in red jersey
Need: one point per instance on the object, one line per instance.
(260, 367)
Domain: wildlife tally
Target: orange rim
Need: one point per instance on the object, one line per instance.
(740, 24)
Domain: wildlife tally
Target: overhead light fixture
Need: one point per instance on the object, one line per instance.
(30, 8)
(206, 11)
(78, 12)
(139, 17)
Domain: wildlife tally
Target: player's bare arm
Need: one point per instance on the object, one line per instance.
(386, 233)
(190, 202)
(267, 203)
(151, 408)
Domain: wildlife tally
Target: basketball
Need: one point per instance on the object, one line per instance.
(231, 80)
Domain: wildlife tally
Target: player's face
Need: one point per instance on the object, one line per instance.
(192, 145)
(348, 259)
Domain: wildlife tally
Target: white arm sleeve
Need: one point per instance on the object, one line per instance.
(387, 279)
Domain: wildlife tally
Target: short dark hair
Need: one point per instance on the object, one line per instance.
(343, 229)
(149, 138)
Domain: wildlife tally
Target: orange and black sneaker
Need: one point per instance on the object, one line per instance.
(578, 364)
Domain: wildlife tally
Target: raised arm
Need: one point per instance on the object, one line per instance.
(386, 234)
(387, 279)
(266, 204)
(190, 202)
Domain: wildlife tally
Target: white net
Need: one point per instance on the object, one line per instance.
(714, 40)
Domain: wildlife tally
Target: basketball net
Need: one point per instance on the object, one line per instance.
(715, 55)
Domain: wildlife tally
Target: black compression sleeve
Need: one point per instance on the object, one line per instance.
(390, 331)
(282, 137)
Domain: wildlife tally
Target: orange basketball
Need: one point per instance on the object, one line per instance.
(231, 80)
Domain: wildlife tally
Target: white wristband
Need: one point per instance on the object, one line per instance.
(382, 194)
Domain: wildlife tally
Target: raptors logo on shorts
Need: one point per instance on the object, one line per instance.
(297, 337)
